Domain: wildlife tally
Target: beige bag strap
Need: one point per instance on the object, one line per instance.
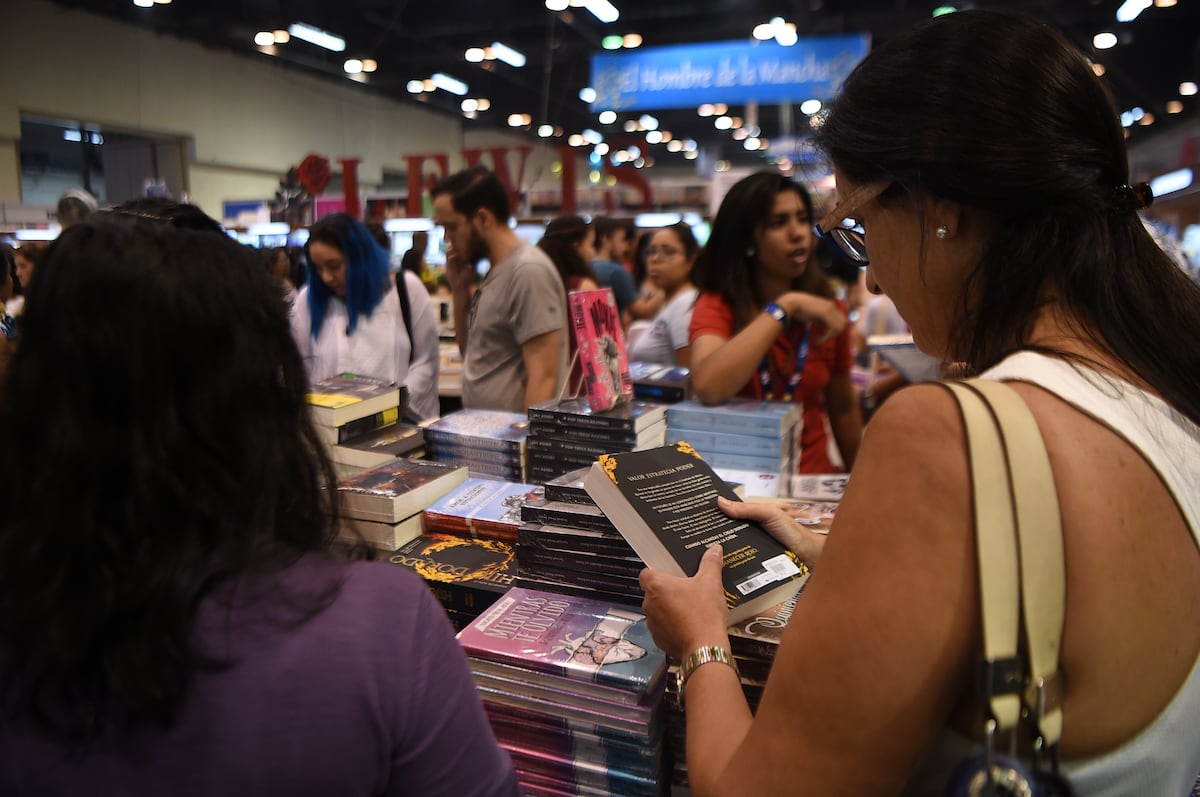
(1014, 490)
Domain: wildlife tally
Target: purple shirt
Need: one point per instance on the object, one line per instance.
(372, 696)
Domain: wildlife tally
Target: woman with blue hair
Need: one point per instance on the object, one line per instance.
(351, 317)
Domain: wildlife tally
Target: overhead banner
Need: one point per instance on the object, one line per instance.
(730, 72)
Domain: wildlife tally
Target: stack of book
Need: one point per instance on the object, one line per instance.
(383, 505)
(752, 442)
(658, 382)
(466, 575)
(480, 508)
(347, 410)
(567, 545)
(567, 434)
(574, 690)
(487, 441)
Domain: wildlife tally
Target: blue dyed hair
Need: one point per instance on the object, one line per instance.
(367, 266)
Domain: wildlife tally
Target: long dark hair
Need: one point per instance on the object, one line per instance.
(727, 264)
(157, 446)
(367, 267)
(944, 110)
(562, 235)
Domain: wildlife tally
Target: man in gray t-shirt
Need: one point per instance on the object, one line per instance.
(512, 330)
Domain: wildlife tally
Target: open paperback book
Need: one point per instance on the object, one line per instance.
(664, 502)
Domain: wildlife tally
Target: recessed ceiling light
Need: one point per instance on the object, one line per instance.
(632, 40)
(469, 105)
(281, 36)
(587, 94)
(484, 104)
(264, 38)
(556, 5)
(1104, 41)
(607, 117)
(1187, 89)
(353, 66)
(545, 131)
(1174, 106)
(370, 64)
(474, 55)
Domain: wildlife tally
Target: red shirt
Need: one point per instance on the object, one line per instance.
(712, 316)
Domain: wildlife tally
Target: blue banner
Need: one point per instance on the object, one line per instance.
(730, 72)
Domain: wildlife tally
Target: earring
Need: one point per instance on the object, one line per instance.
(942, 232)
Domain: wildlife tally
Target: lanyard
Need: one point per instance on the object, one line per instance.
(767, 377)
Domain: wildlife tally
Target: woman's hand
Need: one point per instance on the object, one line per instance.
(809, 307)
(803, 542)
(684, 614)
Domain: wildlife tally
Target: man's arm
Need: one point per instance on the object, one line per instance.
(542, 355)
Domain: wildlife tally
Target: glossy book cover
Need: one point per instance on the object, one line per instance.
(601, 343)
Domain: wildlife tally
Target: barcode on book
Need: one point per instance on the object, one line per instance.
(777, 569)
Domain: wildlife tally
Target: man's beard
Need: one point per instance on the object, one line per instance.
(477, 248)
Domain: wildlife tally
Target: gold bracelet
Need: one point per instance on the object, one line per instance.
(704, 655)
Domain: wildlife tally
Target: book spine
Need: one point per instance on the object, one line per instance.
(707, 421)
(534, 536)
(478, 454)
(550, 557)
(557, 445)
(571, 420)
(622, 585)
(473, 442)
(568, 495)
(545, 429)
(548, 584)
(531, 513)
(560, 463)
(745, 445)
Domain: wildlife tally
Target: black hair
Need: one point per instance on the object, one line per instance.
(157, 447)
(687, 238)
(559, 240)
(639, 258)
(727, 264)
(943, 111)
(177, 214)
(475, 188)
(607, 226)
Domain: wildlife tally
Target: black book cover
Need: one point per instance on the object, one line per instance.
(561, 538)
(561, 513)
(466, 575)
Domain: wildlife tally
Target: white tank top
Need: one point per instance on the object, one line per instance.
(1164, 759)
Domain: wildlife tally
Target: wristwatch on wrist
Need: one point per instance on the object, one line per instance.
(704, 655)
(779, 314)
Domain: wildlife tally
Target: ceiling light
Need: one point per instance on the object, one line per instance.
(620, 156)
(587, 94)
(428, 85)
(632, 40)
(720, 109)
(612, 42)
(163, 2)
(764, 31)
(1174, 106)
(674, 145)
(370, 64)
(809, 107)
(317, 36)
(474, 54)
(502, 52)
(721, 166)
(631, 126)
(1147, 119)
(943, 10)
(1171, 181)
(469, 105)
(450, 84)
(723, 123)
(1164, 3)
(654, 137)
(592, 136)
(545, 131)
(575, 140)
(515, 120)
(648, 122)
(751, 144)
(281, 36)
(415, 86)
(607, 117)
(353, 66)
(705, 110)
(144, 3)
(666, 135)
(1187, 89)
(741, 134)
(737, 122)
(264, 38)
(601, 149)
(691, 155)
(1130, 9)
(484, 104)
(602, 10)
(786, 35)
(1104, 41)
(556, 5)
(690, 145)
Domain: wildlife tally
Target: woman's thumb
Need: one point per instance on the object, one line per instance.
(711, 561)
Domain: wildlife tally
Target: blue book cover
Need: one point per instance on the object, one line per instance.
(481, 428)
(742, 416)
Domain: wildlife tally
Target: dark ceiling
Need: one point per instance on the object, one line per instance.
(412, 40)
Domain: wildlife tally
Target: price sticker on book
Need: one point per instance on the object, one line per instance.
(777, 568)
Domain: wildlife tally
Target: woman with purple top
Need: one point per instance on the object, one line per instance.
(171, 618)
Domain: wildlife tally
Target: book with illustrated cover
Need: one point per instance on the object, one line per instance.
(758, 636)
(484, 508)
(771, 419)
(576, 413)
(397, 489)
(384, 536)
(352, 430)
(349, 397)
(576, 774)
(475, 428)
(465, 575)
(573, 637)
(600, 340)
(379, 446)
(663, 501)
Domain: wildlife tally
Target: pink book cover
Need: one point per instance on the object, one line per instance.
(601, 344)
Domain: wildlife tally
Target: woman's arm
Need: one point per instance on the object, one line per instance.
(422, 379)
(845, 416)
(878, 650)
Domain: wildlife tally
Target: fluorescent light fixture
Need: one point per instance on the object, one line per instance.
(269, 228)
(649, 220)
(72, 135)
(1165, 183)
(502, 52)
(317, 36)
(1130, 9)
(407, 225)
(602, 10)
(587, 94)
(450, 84)
(38, 235)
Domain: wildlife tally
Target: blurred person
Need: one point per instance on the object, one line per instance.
(511, 325)
(612, 247)
(74, 206)
(173, 621)
(351, 317)
(1024, 258)
(569, 243)
(766, 324)
(650, 297)
(670, 257)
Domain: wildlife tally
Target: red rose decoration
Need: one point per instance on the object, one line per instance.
(314, 174)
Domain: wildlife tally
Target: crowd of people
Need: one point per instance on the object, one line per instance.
(173, 617)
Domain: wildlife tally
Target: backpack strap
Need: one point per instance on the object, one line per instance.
(406, 311)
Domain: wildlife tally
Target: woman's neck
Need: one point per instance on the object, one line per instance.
(671, 293)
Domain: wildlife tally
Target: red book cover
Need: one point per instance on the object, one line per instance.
(601, 343)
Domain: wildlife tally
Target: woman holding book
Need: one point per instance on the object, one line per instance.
(1023, 257)
(172, 620)
(766, 325)
(670, 256)
(352, 316)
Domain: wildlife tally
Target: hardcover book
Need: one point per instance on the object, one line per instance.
(557, 584)
(485, 508)
(576, 413)
(600, 339)
(771, 419)
(664, 502)
(397, 489)
(379, 446)
(573, 637)
(638, 709)
(556, 736)
(349, 397)
(581, 775)
(465, 575)
(585, 717)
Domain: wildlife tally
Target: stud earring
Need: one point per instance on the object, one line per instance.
(942, 231)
